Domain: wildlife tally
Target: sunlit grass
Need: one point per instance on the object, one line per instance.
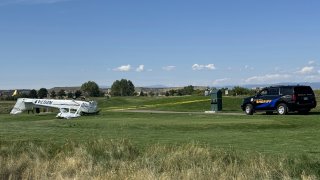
(128, 145)
(109, 159)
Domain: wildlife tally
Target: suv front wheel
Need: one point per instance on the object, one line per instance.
(249, 109)
(282, 109)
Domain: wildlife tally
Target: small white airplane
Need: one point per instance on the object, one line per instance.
(68, 108)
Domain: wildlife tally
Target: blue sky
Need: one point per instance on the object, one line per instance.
(48, 43)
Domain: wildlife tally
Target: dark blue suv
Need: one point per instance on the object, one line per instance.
(282, 99)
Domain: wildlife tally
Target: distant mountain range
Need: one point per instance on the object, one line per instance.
(156, 86)
(314, 85)
(151, 86)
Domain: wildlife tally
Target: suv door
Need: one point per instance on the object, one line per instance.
(266, 99)
(287, 94)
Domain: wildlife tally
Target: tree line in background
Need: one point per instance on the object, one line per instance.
(121, 87)
(125, 87)
(188, 90)
(89, 89)
(240, 91)
(44, 93)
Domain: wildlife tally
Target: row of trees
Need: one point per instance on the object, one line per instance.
(89, 88)
(188, 90)
(240, 91)
(43, 93)
(62, 94)
(121, 87)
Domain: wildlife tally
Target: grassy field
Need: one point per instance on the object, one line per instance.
(273, 134)
(180, 104)
(155, 144)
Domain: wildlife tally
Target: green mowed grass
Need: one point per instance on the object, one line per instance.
(170, 145)
(130, 145)
(296, 134)
(292, 134)
(183, 104)
(180, 104)
(6, 106)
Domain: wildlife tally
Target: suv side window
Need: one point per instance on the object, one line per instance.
(303, 90)
(286, 91)
(269, 92)
(273, 92)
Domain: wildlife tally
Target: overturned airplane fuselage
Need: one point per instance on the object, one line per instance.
(68, 108)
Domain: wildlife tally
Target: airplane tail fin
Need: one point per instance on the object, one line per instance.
(18, 107)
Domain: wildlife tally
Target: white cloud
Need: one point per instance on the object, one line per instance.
(123, 68)
(311, 62)
(210, 66)
(269, 78)
(220, 81)
(197, 67)
(169, 68)
(140, 68)
(307, 70)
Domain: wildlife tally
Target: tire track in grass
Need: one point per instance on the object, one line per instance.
(117, 108)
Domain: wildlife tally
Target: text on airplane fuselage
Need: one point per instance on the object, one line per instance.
(48, 102)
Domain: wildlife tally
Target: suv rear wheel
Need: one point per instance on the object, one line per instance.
(249, 109)
(282, 109)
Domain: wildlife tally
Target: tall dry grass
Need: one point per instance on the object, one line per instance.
(119, 159)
